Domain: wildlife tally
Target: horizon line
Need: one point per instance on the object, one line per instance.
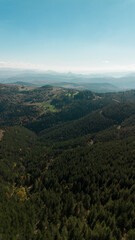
(21, 66)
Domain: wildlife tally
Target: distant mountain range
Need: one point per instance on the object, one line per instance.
(93, 82)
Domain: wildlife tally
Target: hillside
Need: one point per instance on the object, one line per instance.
(67, 168)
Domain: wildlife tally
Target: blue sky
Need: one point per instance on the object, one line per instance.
(68, 35)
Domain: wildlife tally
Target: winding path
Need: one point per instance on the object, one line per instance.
(1, 134)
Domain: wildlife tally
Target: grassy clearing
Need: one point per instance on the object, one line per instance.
(46, 107)
(75, 93)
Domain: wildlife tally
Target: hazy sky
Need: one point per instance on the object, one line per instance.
(68, 34)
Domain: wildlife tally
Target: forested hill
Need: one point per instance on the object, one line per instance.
(67, 164)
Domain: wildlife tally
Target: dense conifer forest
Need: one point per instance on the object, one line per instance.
(67, 164)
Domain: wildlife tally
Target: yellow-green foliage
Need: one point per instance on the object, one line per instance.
(21, 193)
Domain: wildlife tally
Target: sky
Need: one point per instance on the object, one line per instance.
(68, 35)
